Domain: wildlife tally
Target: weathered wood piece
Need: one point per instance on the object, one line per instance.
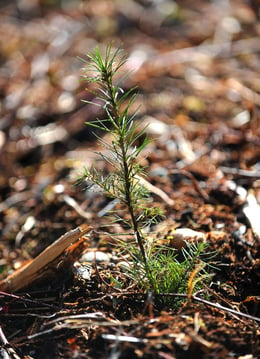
(56, 258)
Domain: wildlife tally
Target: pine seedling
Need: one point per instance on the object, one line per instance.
(155, 268)
(128, 141)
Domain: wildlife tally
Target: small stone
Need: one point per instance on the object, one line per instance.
(97, 256)
(159, 171)
(155, 127)
(183, 235)
(81, 271)
(124, 265)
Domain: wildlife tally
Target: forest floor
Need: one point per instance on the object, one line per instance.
(196, 65)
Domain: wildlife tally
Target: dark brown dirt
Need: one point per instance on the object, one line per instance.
(196, 64)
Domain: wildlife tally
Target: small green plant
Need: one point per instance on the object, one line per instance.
(182, 272)
(127, 143)
(155, 270)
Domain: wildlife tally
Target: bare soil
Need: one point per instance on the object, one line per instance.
(196, 65)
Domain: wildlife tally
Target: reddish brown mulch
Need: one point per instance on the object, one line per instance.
(196, 64)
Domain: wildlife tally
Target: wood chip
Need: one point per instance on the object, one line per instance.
(56, 258)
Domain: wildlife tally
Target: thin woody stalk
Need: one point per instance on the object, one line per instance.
(124, 148)
(127, 181)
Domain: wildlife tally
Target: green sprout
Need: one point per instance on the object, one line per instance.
(156, 270)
